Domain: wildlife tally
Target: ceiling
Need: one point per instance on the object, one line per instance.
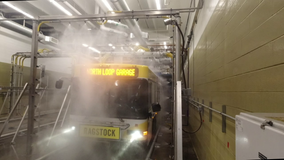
(95, 34)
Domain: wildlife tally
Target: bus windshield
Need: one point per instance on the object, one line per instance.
(115, 98)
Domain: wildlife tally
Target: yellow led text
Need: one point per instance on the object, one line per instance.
(102, 71)
(125, 72)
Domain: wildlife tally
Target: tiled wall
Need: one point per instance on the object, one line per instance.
(238, 62)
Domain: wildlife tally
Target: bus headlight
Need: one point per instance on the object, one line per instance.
(69, 129)
(135, 135)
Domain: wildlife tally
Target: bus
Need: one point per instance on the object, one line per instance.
(114, 102)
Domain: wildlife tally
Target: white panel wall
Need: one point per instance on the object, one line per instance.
(12, 42)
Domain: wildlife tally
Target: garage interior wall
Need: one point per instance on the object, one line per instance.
(237, 62)
(11, 43)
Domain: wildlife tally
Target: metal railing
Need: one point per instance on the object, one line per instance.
(4, 102)
(13, 109)
(59, 113)
(19, 126)
(224, 114)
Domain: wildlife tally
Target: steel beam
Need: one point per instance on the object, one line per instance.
(32, 92)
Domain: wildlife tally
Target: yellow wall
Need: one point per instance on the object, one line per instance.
(238, 62)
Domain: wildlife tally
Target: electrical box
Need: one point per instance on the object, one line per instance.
(260, 136)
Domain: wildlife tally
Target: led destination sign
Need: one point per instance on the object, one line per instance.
(120, 72)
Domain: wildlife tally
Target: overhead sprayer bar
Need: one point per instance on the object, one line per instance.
(115, 15)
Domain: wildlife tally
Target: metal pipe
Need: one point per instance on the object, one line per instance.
(15, 152)
(59, 113)
(178, 104)
(23, 130)
(38, 108)
(32, 92)
(51, 153)
(4, 102)
(19, 126)
(11, 80)
(212, 109)
(63, 120)
(120, 15)
(16, 119)
(178, 51)
(13, 109)
(152, 146)
(178, 127)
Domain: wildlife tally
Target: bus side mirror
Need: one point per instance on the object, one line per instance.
(59, 84)
(156, 107)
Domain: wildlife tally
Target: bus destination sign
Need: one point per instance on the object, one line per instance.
(118, 72)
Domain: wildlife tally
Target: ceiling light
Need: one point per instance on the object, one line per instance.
(113, 47)
(17, 9)
(89, 29)
(85, 45)
(131, 48)
(165, 43)
(60, 7)
(131, 35)
(137, 44)
(158, 4)
(94, 49)
(166, 2)
(110, 44)
(71, 7)
(107, 5)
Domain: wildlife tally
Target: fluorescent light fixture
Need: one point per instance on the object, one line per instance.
(131, 35)
(85, 45)
(158, 4)
(165, 45)
(126, 5)
(113, 47)
(94, 49)
(110, 44)
(107, 5)
(137, 44)
(71, 7)
(166, 2)
(89, 29)
(17, 9)
(60, 7)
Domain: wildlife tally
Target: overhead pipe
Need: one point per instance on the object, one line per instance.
(132, 24)
(26, 31)
(19, 28)
(104, 28)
